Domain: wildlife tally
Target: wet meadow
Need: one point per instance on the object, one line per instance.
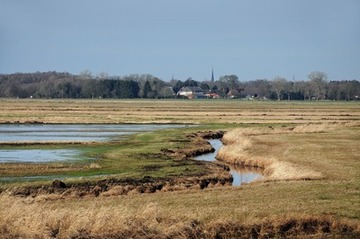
(148, 185)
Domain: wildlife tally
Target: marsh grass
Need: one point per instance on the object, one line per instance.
(135, 157)
(292, 134)
(328, 207)
(242, 146)
(229, 212)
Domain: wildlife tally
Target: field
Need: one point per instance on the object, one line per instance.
(309, 151)
(176, 111)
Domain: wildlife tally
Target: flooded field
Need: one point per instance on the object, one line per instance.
(36, 155)
(240, 174)
(72, 133)
(42, 133)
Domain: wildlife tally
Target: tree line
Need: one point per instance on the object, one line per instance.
(65, 85)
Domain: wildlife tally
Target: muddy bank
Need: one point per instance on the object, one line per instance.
(214, 174)
(197, 144)
(113, 186)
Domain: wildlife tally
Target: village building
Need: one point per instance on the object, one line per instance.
(192, 92)
(213, 95)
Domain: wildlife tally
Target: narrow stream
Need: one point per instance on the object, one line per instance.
(240, 174)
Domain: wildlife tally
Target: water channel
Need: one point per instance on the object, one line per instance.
(240, 174)
(63, 133)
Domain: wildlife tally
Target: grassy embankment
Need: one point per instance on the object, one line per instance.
(277, 206)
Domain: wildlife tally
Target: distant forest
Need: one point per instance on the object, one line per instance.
(66, 85)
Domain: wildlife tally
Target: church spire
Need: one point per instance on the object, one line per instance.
(212, 75)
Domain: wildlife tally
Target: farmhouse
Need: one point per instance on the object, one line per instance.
(213, 95)
(191, 92)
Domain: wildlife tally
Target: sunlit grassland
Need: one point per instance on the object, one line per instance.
(336, 153)
(332, 151)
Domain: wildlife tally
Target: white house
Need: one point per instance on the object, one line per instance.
(191, 92)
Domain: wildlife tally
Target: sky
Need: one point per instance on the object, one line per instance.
(253, 39)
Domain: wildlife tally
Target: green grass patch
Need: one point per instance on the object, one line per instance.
(135, 156)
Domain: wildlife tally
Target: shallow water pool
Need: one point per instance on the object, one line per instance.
(62, 133)
(72, 132)
(37, 155)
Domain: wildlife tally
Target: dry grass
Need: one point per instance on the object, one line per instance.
(175, 111)
(239, 150)
(41, 219)
(290, 140)
(323, 208)
(193, 214)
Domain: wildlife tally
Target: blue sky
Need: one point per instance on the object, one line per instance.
(185, 38)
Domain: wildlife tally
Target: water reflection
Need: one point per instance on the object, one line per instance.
(73, 133)
(62, 133)
(240, 174)
(244, 174)
(37, 155)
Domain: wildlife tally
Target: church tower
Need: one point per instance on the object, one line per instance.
(212, 75)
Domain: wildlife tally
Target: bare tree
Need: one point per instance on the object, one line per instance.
(318, 82)
(279, 84)
(289, 89)
(103, 75)
(85, 75)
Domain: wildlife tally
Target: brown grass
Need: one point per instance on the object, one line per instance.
(288, 139)
(175, 111)
(146, 217)
(326, 208)
(239, 146)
